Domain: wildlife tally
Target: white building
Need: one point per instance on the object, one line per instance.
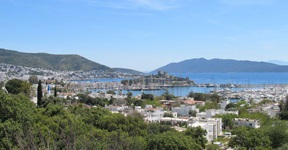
(139, 109)
(174, 121)
(223, 104)
(116, 109)
(213, 112)
(184, 110)
(154, 115)
(253, 123)
(213, 126)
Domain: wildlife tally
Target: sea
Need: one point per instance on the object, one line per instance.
(251, 80)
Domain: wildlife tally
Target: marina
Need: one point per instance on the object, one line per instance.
(202, 83)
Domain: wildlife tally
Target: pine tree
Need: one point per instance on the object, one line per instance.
(39, 93)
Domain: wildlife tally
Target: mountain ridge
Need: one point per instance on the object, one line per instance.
(202, 65)
(62, 62)
(58, 62)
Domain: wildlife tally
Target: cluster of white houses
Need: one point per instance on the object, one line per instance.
(180, 116)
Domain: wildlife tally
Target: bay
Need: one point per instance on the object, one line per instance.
(237, 78)
(252, 80)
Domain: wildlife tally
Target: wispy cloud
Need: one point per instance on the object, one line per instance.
(136, 4)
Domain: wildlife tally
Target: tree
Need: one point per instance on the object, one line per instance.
(282, 105)
(209, 105)
(129, 95)
(214, 98)
(133, 125)
(111, 92)
(1, 84)
(227, 120)
(205, 97)
(283, 115)
(192, 113)
(125, 82)
(26, 88)
(249, 138)
(278, 134)
(168, 96)
(55, 91)
(171, 141)
(39, 93)
(16, 86)
(33, 79)
(230, 106)
(15, 107)
(197, 96)
(284, 109)
(284, 147)
(147, 96)
(13, 86)
(122, 141)
(156, 128)
(17, 112)
(198, 134)
(138, 103)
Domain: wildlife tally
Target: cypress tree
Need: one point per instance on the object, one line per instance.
(39, 93)
(55, 91)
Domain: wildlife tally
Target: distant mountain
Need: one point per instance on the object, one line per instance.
(202, 65)
(130, 71)
(278, 62)
(49, 61)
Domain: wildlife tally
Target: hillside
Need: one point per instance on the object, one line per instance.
(49, 61)
(202, 65)
(129, 71)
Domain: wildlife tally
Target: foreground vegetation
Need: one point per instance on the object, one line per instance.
(55, 126)
(73, 124)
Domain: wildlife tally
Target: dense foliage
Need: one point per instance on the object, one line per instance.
(205, 97)
(33, 79)
(73, 124)
(250, 139)
(147, 96)
(284, 109)
(16, 86)
(56, 126)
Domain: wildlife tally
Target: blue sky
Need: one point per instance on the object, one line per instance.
(147, 34)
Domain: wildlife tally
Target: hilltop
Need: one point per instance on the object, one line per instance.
(49, 61)
(201, 65)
